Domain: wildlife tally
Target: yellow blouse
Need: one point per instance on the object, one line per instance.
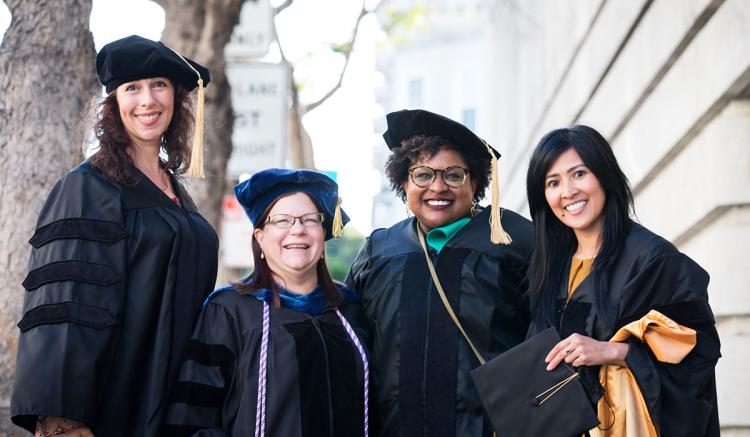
(579, 270)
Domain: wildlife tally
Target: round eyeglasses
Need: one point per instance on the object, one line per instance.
(284, 221)
(453, 176)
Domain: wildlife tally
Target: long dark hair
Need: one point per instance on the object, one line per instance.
(424, 146)
(112, 156)
(262, 276)
(555, 243)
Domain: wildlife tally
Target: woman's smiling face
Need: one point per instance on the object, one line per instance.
(146, 109)
(438, 204)
(292, 252)
(574, 194)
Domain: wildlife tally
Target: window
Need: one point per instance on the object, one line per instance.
(469, 118)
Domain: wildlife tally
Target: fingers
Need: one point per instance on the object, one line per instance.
(567, 350)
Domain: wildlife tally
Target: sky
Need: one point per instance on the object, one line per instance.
(342, 128)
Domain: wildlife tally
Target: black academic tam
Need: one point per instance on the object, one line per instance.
(116, 279)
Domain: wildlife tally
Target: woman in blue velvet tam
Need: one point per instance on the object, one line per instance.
(279, 353)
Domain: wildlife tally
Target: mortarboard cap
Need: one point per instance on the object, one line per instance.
(523, 398)
(135, 58)
(407, 123)
(256, 193)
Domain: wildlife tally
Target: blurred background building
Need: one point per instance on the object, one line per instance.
(667, 82)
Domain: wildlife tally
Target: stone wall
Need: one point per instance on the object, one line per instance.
(667, 82)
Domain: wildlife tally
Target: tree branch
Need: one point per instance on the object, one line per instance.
(347, 54)
(282, 6)
(275, 36)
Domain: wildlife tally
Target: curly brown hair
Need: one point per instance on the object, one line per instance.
(112, 158)
(421, 147)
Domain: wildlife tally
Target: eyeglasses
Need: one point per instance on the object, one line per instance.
(284, 221)
(453, 176)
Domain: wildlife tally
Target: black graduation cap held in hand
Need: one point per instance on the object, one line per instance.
(523, 398)
(407, 123)
(134, 58)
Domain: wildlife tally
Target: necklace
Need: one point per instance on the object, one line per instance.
(162, 174)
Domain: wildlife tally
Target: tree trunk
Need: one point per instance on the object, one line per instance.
(200, 30)
(300, 143)
(47, 77)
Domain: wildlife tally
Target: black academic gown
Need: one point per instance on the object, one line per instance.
(650, 273)
(116, 279)
(315, 377)
(420, 360)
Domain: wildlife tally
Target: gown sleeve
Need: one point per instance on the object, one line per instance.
(681, 398)
(360, 270)
(357, 280)
(74, 291)
(202, 388)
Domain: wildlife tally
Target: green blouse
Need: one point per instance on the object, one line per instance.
(439, 237)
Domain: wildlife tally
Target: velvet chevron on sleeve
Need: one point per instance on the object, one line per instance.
(421, 363)
(314, 384)
(116, 278)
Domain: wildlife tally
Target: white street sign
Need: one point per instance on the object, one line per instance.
(251, 37)
(259, 98)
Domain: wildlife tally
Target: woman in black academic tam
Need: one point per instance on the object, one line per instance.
(441, 170)
(121, 260)
(279, 353)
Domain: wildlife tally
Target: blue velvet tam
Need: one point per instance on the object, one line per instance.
(263, 188)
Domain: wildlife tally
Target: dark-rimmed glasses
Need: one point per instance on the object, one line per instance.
(284, 221)
(453, 176)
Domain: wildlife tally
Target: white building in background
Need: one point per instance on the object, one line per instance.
(666, 81)
(440, 66)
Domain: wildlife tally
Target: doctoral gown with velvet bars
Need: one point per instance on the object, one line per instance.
(650, 273)
(117, 276)
(314, 385)
(420, 361)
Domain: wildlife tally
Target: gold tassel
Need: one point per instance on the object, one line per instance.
(195, 170)
(338, 222)
(497, 233)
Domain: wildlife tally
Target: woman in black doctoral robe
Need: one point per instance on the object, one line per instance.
(421, 362)
(279, 353)
(594, 271)
(121, 260)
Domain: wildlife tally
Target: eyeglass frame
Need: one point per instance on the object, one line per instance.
(435, 172)
(296, 219)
